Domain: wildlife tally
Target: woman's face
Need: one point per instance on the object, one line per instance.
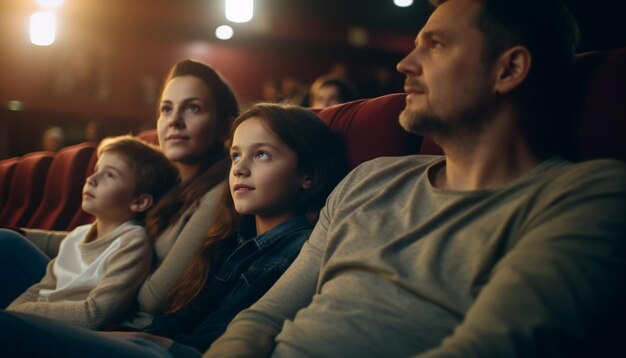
(188, 125)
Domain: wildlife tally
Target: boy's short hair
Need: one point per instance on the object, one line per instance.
(154, 173)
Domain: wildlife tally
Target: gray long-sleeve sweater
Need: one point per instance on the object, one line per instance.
(398, 268)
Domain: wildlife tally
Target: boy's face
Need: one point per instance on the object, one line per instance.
(109, 192)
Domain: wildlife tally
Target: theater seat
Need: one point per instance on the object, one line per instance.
(7, 168)
(369, 128)
(26, 189)
(601, 92)
(149, 136)
(63, 188)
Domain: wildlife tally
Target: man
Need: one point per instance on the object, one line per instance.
(497, 249)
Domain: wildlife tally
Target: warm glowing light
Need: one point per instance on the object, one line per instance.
(43, 28)
(49, 3)
(403, 3)
(239, 10)
(224, 32)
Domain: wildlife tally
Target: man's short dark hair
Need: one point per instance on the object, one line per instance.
(550, 33)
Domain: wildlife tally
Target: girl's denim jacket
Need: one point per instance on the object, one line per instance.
(251, 266)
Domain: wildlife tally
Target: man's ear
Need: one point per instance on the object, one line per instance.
(141, 203)
(513, 67)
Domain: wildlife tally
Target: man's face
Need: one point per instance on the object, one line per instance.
(450, 89)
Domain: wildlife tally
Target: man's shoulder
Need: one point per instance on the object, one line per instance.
(387, 165)
(602, 165)
(376, 174)
(597, 173)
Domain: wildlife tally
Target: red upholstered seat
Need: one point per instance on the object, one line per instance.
(63, 188)
(149, 136)
(601, 92)
(26, 188)
(7, 168)
(369, 128)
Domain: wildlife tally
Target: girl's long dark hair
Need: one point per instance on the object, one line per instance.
(214, 168)
(320, 158)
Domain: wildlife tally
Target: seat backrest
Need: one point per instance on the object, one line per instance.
(63, 188)
(150, 136)
(7, 168)
(81, 217)
(369, 128)
(26, 189)
(600, 83)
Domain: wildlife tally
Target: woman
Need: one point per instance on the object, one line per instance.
(196, 110)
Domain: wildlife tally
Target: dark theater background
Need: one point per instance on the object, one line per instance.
(110, 56)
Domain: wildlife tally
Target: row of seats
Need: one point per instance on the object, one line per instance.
(44, 189)
(369, 129)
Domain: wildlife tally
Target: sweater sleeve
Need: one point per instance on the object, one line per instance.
(152, 292)
(47, 241)
(124, 271)
(562, 284)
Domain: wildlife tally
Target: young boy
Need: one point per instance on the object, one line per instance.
(99, 268)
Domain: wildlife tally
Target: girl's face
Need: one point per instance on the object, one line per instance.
(263, 177)
(187, 125)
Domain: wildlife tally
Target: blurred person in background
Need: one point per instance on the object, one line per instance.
(53, 139)
(328, 90)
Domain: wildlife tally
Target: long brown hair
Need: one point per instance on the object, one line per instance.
(319, 157)
(214, 168)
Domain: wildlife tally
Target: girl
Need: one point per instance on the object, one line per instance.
(283, 166)
(196, 110)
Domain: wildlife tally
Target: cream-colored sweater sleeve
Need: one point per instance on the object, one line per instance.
(47, 241)
(180, 244)
(124, 272)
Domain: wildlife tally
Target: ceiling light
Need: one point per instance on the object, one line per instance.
(403, 3)
(224, 32)
(239, 10)
(43, 28)
(49, 3)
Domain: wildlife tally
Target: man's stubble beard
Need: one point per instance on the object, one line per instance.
(468, 121)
